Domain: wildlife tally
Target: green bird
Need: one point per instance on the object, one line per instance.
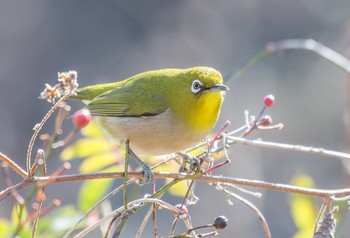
(159, 112)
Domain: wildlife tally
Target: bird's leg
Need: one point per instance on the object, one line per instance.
(147, 172)
(192, 160)
(126, 168)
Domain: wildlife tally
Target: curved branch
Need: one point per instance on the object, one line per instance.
(292, 44)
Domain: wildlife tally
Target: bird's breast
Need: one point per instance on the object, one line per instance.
(162, 134)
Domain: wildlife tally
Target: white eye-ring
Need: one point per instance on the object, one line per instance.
(196, 86)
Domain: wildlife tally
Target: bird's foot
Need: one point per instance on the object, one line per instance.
(147, 176)
(190, 163)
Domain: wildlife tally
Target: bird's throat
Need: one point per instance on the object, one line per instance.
(205, 112)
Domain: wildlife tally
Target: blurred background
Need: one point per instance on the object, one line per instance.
(111, 40)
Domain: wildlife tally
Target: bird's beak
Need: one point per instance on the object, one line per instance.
(218, 88)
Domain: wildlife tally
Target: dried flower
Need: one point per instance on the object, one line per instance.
(68, 82)
(50, 93)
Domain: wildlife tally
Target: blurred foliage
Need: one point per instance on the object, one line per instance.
(303, 207)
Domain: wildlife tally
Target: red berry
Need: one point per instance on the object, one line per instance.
(81, 118)
(184, 211)
(269, 100)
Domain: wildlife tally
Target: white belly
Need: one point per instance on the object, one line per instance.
(155, 135)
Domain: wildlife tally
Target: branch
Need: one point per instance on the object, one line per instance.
(292, 44)
(314, 47)
(338, 194)
(132, 205)
(13, 165)
(37, 129)
(282, 146)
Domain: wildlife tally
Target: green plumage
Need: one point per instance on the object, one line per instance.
(158, 112)
(140, 95)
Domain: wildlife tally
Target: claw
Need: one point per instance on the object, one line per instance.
(192, 160)
(147, 176)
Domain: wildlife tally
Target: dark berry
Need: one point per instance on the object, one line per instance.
(220, 222)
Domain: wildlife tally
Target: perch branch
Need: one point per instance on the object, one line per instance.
(323, 193)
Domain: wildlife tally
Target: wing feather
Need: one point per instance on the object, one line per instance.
(129, 100)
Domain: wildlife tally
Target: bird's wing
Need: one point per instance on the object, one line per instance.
(128, 101)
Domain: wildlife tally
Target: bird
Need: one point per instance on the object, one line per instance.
(157, 112)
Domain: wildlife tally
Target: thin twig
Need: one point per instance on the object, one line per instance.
(126, 168)
(110, 225)
(39, 158)
(253, 208)
(115, 191)
(144, 222)
(16, 196)
(132, 205)
(59, 171)
(37, 129)
(154, 219)
(13, 166)
(300, 148)
(38, 211)
(314, 47)
(111, 194)
(291, 44)
(181, 206)
(321, 212)
(44, 211)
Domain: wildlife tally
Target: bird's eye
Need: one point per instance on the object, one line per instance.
(196, 86)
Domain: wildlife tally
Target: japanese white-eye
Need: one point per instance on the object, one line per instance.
(159, 112)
